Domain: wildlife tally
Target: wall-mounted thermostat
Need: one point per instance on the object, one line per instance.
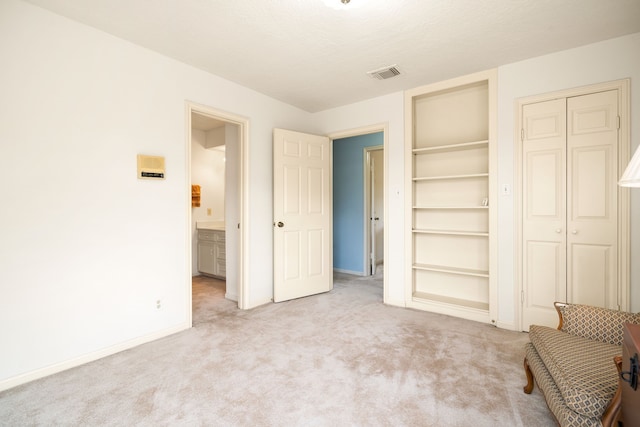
(150, 167)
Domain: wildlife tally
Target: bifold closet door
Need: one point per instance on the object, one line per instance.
(592, 216)
(544, 256)
(570, 152)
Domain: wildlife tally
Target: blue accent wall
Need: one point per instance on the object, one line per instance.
(348, 200)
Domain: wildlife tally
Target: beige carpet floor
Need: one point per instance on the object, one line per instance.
(336, 359)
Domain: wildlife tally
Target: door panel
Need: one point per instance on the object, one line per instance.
(316, 245)
(590, 270)
(291, 189)
(592, 144)
(591, 194)
(544, 209)
(544, 197)
(315, 191)
(547, 254)
(291, 263)
(301, 214)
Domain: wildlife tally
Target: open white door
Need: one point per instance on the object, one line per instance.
(374, 208)
(302, 236)
(373, 219)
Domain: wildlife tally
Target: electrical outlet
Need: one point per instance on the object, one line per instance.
(158, 304)
(506, 189)
(208, 211)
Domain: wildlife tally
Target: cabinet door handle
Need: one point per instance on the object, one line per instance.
(558, 230)
(574, 231)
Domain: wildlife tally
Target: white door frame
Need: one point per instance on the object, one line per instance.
(384, 128)
(243, 226)
(367, 206)
(624, 213)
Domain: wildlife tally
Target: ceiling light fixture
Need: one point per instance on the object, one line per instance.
(343, 5)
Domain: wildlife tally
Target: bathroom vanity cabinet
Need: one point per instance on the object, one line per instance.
(211, 253)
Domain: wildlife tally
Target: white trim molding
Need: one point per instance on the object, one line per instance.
(243, 289)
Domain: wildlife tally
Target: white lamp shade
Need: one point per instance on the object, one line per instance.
(631, 175)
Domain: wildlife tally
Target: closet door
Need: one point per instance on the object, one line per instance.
(544, 211)
(592, 245)
(570, 199)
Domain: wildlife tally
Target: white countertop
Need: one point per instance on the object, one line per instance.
(210, 225)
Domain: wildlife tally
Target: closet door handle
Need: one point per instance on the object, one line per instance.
(574, 231)
(558, 230)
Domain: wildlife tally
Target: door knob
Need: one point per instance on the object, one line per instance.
(558, 230)
(574, 231)
(280, 224)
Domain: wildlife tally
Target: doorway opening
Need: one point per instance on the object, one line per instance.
(352, 210)
(216, 173)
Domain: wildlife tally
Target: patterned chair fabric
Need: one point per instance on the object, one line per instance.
(565, 416)
(582, 369)
(595, 323)
(573, 367)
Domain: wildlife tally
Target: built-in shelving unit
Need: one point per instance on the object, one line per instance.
(451, 216)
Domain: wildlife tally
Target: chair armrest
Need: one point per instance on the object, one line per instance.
(559, 308)
(595, 323)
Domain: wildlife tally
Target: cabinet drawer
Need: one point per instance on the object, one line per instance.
(211, 235)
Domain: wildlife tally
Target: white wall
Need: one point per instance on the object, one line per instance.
(600, 62)
(87, 249)
(207, 171)
(382, 110)
(610, 60)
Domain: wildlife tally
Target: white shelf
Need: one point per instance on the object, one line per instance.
(451, 147)
(427, 297)
(451, 270)
(452, 232)
(448, 177)
(450, 136)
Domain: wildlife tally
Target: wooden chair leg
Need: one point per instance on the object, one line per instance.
(527, 370)
(612, 414)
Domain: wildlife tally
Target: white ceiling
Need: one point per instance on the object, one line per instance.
(315, 57)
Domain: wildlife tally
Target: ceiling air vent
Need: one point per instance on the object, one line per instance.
(384, 72)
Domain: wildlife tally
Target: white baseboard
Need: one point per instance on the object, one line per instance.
(89, 357)
(260, 302)
(506, 325)
(354, 273)
(395, 303)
